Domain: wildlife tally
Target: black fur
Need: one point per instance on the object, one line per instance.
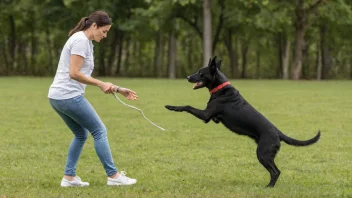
(231, 109)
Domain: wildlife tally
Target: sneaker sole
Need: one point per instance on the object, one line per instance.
(119, 184)
(65, 184)
(74, 186)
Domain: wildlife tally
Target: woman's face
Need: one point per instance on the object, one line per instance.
(100, 32)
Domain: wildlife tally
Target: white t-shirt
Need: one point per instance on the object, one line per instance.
(63, 86)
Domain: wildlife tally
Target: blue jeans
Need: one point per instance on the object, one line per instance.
(81, 118)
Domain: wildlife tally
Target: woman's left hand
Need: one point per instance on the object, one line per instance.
(129, 94)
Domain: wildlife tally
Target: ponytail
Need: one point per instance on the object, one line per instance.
(81, 25)
(99, 17)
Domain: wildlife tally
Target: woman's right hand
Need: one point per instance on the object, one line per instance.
(106, 87)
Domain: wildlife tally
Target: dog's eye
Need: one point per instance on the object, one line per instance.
(201, 75)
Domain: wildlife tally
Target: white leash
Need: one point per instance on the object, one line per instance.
(137, 110)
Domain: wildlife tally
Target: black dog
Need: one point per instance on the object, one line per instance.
(227, 106)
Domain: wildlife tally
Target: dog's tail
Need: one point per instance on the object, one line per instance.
(295, 142)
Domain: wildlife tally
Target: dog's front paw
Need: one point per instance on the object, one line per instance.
(173, 108)
(216, 120)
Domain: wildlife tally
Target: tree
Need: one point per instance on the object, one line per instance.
(306, 13)
(207, 32)
(163, 38)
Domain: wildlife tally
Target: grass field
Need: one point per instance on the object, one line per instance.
(190, 159)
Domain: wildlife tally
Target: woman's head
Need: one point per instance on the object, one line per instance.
(98, 24)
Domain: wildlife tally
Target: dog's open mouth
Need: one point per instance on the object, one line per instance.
(198, 85)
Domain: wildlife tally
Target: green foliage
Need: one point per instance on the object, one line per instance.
(33, 33)
(338, 12)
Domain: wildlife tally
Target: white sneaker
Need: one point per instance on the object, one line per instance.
(121, 180)
(75, 182)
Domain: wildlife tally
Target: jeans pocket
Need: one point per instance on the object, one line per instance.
(58, 105)
(78, 98)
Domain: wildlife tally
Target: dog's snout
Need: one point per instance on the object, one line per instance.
(188, 77)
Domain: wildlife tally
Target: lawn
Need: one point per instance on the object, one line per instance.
(190, 159)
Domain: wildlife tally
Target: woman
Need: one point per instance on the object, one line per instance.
(66, 95)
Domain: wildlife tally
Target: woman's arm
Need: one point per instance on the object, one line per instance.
(76, 63)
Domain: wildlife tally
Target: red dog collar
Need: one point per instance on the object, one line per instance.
(219, 87)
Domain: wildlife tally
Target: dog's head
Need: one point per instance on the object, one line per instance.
(209, 76)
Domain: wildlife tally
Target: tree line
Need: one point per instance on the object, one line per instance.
(278, 39)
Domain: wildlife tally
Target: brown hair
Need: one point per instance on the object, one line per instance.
(99, 17)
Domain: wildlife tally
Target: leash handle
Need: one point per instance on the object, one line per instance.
(133, 107)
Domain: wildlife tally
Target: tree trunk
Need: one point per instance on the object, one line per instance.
(4, 53)
(12, 41)
(257, 72)
(48, 42)
(325, 52)
(189, 53)
(305, 60)
(280, 49)
(34, 45)
(134, 60)
(233, 54)
(172, 54)
(119, 57)
(157, 54)
(141, 63)
(112, 53)
(184, 68)
(127, 59)
(298, 57)
(220, 24)
(351, 68)
(22, 58)
(164, 61)
(344, 67)
(286, 59)
(102, 66)
(302, 24)
(57, 51)
(319, 62)
(207, 32)
(244, 51)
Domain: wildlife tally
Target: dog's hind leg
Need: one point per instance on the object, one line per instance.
(266, 154)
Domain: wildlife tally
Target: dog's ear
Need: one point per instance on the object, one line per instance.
(218, 64)
(213, 66)
(214, 59)
(209, 62)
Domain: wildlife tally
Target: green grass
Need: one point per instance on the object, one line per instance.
(190, 159)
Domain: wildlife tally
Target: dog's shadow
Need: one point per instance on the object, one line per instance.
(236, 184)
